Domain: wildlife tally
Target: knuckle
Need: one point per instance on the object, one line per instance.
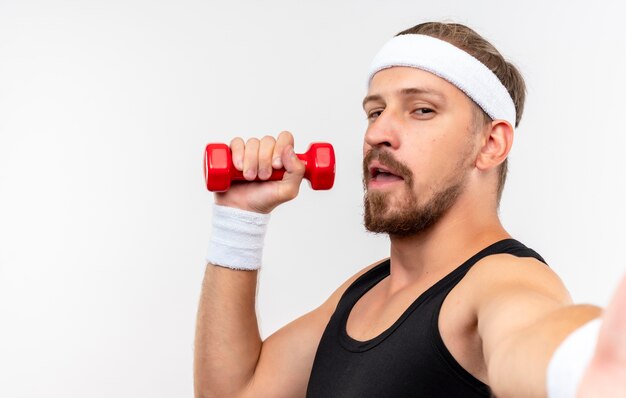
(268, 139)
(236, 146)
(267, 145)
(286, 135)
(252, 141)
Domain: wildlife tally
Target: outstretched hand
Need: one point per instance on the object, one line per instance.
(606, 375)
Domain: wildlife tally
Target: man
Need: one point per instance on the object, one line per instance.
(460, 309)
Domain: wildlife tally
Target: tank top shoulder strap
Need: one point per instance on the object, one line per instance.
(514, 247)
(362, 284)
(373, 276)
(505, 246)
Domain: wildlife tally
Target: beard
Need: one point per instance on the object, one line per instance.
(407, 217)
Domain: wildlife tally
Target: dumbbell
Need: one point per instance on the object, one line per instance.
(219, 171)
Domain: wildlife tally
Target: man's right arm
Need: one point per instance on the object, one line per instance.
(230, 358)
(227, 344)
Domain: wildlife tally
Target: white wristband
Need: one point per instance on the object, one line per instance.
(571, 359)
(237, 238)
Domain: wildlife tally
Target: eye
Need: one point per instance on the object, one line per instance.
(423, 111)
(373, 114)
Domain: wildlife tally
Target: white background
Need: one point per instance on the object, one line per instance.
(105, 108)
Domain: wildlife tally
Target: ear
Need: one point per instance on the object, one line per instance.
(497, 143)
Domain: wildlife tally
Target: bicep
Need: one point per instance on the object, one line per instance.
(518, 354)
(518, 325)
(522, 294)
(286, 357)
(511, 313)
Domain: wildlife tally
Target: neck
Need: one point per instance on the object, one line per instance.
(462, 231)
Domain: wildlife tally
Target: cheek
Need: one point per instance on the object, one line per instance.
(433, 164)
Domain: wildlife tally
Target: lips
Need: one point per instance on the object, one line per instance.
(382, 173)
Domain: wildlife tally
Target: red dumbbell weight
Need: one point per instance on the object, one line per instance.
(219, 170)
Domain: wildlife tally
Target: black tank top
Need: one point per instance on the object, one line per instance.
(407, 360)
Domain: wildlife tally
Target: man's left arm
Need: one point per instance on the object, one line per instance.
(524, 313)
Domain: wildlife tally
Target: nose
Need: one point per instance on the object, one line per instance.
(384, 130)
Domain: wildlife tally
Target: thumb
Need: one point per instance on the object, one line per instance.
(294, 167)
(289, 187)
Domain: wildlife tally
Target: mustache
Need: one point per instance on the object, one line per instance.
(386, 159)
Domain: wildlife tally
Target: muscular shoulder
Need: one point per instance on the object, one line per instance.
(507, 294)
(503, 274)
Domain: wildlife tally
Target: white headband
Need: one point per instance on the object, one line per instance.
(452, 64)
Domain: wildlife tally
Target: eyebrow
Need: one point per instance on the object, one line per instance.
(407, 92)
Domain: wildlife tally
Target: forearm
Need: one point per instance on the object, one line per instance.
(518, 367)
(228, 343)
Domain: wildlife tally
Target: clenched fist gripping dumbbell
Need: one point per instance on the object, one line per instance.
(237, 236)
(219, 171)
